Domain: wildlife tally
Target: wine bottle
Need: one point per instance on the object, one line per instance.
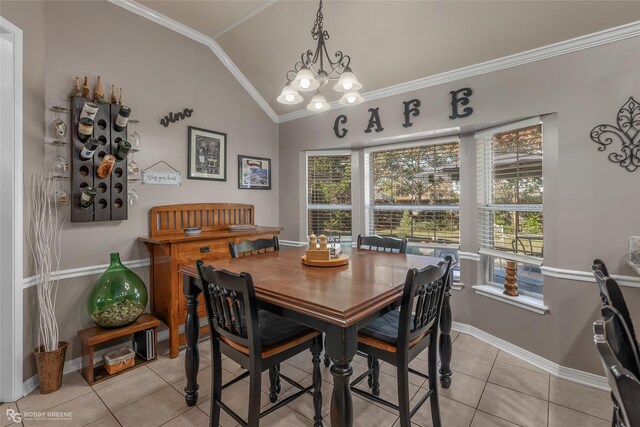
(105, 168)
(85, 129)
(87, 197)
(89, 109)
(86, 92)
(98, 91)
(122, 150)
(122, 119)
(89, 148)
(76, 89)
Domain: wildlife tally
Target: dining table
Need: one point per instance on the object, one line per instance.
(335, 300)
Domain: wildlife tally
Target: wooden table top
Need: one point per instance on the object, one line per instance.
(338, 295)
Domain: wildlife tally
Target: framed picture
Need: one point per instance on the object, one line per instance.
(254, 173)
(207, 154)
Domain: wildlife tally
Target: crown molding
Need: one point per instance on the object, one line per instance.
(189, 32)
(244, 18)
(557, 49)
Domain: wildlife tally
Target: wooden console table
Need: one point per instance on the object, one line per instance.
(170, 249)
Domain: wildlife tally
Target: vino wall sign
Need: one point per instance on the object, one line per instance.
(460, 100)
(174, 117)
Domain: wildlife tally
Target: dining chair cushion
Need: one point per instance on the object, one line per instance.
(384, 328)
(275, 329)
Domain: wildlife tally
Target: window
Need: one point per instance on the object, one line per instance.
(510, 202)
(413, 192)
(329, 194)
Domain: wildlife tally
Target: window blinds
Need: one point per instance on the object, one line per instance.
(510, 192)
(329, 194)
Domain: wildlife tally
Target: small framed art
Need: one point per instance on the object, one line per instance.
(207, 154)
(254, 173)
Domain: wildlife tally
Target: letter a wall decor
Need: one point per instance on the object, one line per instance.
(626, 135)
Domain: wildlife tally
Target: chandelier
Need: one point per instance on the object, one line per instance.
(309, 74)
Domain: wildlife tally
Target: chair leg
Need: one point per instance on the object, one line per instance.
(433, 385)
(255, 378)
(369, 366)
(327, 360)
(274, 379)
(216, 383)
(278, 386)
(316, 349)
(403, 395)
(375, 387)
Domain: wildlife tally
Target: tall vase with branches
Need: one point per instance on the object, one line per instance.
(45, 232)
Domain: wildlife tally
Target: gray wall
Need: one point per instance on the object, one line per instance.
(591, 205)
(160, 71)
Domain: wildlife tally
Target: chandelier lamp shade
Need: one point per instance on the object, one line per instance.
(317, 68)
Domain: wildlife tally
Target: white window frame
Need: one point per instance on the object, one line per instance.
(325, 153)
(489, 255)
(368, 186)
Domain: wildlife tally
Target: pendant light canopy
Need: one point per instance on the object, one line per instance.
(309, 73)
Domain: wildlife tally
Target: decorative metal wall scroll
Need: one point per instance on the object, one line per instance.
(460, 100)
(174, 117)
(627, 133)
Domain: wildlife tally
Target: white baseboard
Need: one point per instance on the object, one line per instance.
(570, 374)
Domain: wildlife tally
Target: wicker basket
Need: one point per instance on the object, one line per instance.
(118, 360)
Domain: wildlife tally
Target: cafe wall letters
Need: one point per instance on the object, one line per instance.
(460, 108)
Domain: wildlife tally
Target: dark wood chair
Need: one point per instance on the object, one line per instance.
(253, 246)
(611, 295)
(382, 244)
(615, 347)
(400, 335)
(256, 339)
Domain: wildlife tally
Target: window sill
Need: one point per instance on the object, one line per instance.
(523, 301)
(457, 286)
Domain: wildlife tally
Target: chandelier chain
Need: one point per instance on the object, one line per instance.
(317, 29)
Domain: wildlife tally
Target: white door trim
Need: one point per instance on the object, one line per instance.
(11, 292)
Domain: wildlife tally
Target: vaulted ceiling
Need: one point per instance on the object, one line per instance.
(390, 42)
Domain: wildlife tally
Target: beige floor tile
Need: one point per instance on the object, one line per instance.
(302, 361)
(304, 404)
(504, 357)
(122, 376)
(420, 365)
(153, 410)
(236, 397)
(514, 406)
(471, 364)
(475, 346)
(452, 413)
(366, 414)
(172, 370)
(482, 419)
(559, 416)
(108, 421)
(290, 371)
(464, 389)
(388, 389)
(285, 417)
(232, 367)
(5, 417)
(73, 385)
(520, 379)
(204, 381)
(122, 393)
(581, 398)
(454, 335)
(194, 417)
(82, 410)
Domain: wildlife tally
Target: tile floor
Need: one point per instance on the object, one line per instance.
(490, 389)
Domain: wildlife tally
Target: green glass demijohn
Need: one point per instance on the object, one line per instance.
(119, 296)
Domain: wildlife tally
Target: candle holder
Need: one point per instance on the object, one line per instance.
(511, 279)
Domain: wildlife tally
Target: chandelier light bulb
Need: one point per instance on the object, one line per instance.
(305, 83)
(347, 82)
(318, 103)
(305, 80)
(351, 98)
(289, 96)
(347, 85)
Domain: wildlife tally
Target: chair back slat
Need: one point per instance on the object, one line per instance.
(382, 244)
(614, 346)
(250, 247)
(231, 305)
(173, 219)
(424, 289)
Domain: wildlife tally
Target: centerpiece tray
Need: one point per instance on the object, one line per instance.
(342, 259)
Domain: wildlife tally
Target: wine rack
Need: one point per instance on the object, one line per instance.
(110, 203)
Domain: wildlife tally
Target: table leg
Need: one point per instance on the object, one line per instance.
(445, 346)
(341, 345)
(191, 331)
